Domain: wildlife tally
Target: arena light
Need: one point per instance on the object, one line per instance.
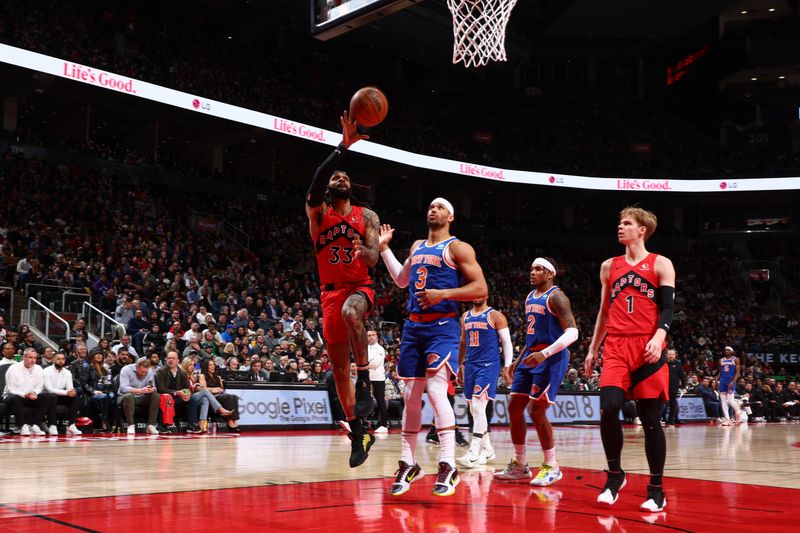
(194, 103)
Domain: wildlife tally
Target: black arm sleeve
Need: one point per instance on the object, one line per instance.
(666, 303)
(316, 193)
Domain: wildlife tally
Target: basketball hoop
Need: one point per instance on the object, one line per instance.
(479, 30)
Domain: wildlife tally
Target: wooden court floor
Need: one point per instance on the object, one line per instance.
(735, 478)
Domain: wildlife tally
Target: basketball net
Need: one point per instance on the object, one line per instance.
(479, 30)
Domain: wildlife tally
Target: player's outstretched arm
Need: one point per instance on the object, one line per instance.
(400, 273)
(315, 198)
(463, 255)
(602, 319)
(368, 252)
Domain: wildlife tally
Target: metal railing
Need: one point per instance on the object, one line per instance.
(47, 321)
(100, 324)
(72, 302)
(51, 296)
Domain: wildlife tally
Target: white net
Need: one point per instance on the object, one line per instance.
(479, 30)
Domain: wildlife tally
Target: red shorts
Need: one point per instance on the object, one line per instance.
(624, 367)
(334, 330)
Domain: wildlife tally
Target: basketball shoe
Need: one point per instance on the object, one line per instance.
(546, 476)
(614, 483)
(406, 475)
(656, 500)
(514, 471)
(359, 448)
(446, 481)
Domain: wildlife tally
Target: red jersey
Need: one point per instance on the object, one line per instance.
(632, 308)
(334, 245)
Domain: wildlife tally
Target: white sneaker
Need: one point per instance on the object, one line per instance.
(52, 431)
(514, 471)
(36, 430)
(637, 421)
(486, 455)
(469, 460)
(152, 430)
(547, 475)
(344, 425)
(25, 431)
(725, 422)
(656, 501)
(132, 429)
(73, 430)
(382, 429)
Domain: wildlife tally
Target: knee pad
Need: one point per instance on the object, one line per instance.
(437, 394)
(611, 401)
(412, 411)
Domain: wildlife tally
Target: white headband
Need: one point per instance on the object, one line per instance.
(445, 203)
(542, 262)
(729, 348)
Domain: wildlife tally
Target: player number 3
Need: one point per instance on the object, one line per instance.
(422, 277)
(337, 252)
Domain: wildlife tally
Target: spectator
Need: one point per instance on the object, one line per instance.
(47, 357)
(210, 380)
(172, 383)
(377, 376)
(710, 401)
(677, 380)
(394, 394)
(24, 267)
(206, 400)
(95, 385)
(24, 388)
(58, 382)
(125, 341)
(137, 389)
(257, 373)
(154, 340)
(9, 352)
(122, 360)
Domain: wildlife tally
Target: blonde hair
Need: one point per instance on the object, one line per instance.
(643, 217)
(187, 364)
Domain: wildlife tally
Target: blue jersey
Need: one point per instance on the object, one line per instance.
(483, 344)
(727, 369)
(543, 327)
(432, 268)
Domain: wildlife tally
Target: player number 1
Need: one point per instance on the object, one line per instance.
(629, 299)
(474, 338)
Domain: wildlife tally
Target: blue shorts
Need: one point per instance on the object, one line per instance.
(723, 386)
(545, 378)
(480, 379)
(426, 346)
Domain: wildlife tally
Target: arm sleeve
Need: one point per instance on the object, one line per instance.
(400, 273)
(569, 336)
(508, 349)
(316, 192)
(666, 303)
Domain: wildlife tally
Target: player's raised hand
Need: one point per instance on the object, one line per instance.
(386, 232)
(350, 133)
(429, 297)
(589, 362)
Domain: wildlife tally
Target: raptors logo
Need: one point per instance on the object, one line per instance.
(432, 358)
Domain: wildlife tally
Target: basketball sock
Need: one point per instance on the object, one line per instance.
(724, 405)
(550, 457)
(611, 401)
(655, 443)
(475, 444)
(519, 453)
(363, 373)
(656, 479)
(409, 447)
(356, 427)
(486, 441)
(447, 445)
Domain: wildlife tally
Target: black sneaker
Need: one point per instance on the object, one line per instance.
(446, 480)
(460, 440)
(614, 484)
(655, 499)
(194, 428)
(432, 437)
(163, 429)
(359, 448)
(363, 406)
(404, 477)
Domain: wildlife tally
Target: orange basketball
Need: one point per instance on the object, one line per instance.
(368, 107)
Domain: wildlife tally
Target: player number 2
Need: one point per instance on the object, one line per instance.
(337, 252)
(531, 323)
(422, 278)
(474, 338)
(629, 299)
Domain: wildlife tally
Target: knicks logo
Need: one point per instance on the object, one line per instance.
(476, 389)
(432, 358)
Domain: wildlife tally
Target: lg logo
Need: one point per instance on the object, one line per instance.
(197, 104)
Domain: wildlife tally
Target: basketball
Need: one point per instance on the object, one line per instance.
(368, 107)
